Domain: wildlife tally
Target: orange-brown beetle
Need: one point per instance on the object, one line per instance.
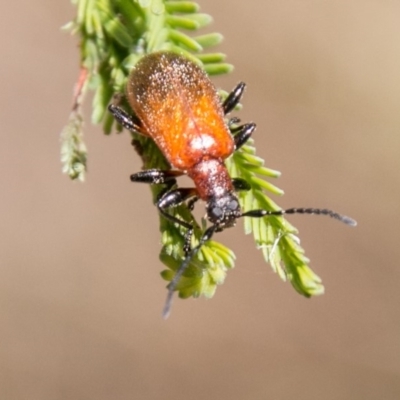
(176, 105)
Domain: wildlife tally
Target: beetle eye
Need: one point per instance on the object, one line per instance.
(233, 205)
(217, 212)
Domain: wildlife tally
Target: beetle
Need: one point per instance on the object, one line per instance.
(175, 104)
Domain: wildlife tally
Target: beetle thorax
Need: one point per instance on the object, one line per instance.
(214, 186)
(211, 178)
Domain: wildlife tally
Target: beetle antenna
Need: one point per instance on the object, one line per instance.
(317, 211)
(172, 285)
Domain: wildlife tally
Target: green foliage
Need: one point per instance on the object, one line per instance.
(114, 35)
(73, 149)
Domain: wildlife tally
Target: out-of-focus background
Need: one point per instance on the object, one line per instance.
(80, 291)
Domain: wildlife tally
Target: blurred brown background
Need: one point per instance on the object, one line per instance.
(80, 290)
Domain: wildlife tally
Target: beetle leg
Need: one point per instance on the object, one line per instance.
(156, 176)
(240, 184)
(130, 122)
(187, 242)
(170, 198)
(233, 121)
(188, 236)
(191, 203)
(233, 98)
(174, 198)
(242, 134)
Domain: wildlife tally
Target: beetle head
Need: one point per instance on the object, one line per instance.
(224, 210)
